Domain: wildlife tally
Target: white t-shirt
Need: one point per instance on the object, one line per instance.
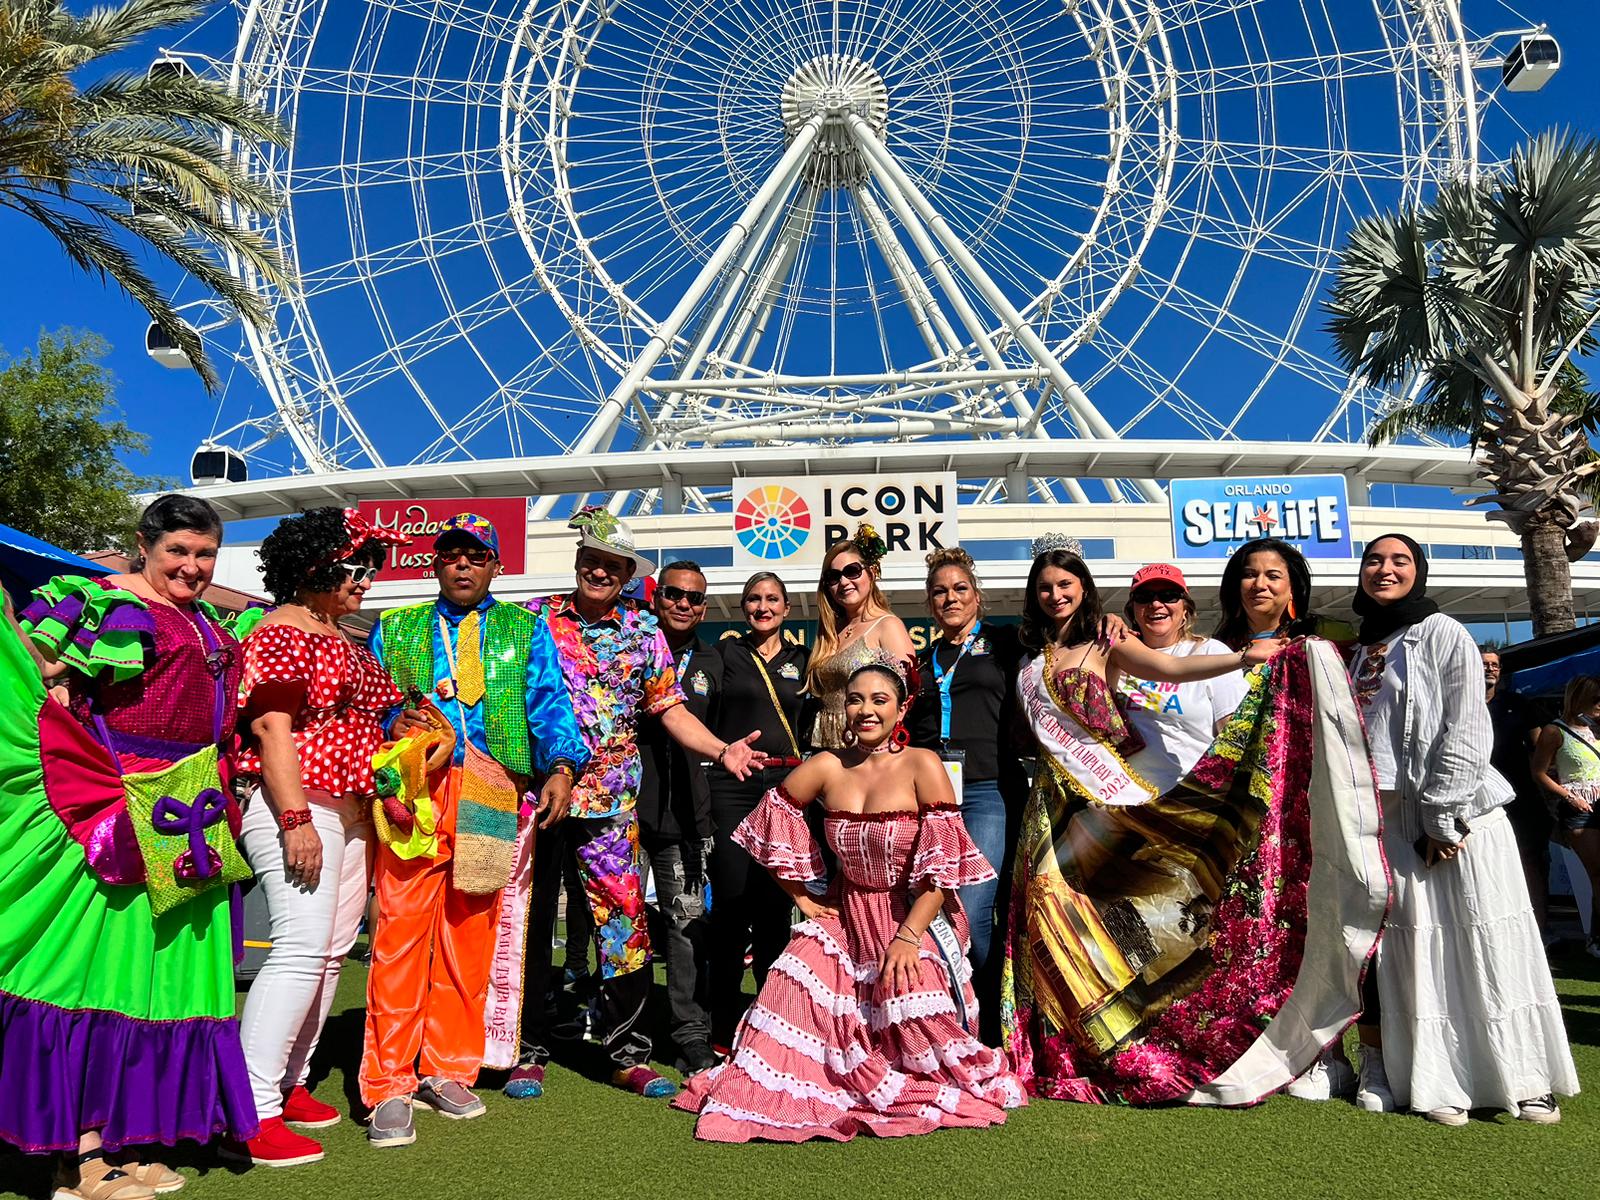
(1379, 677)
(1178, 720)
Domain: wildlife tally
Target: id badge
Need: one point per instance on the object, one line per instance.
(955, 765)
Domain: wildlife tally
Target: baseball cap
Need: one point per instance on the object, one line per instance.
(473, 526)
(1158, 573)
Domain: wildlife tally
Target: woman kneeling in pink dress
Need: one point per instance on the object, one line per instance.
(868, 1021)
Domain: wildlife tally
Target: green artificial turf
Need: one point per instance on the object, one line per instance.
(584, 1138)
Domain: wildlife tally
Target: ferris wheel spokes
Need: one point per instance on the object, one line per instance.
(716, 393)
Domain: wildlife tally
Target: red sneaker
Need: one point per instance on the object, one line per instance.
(275, 1146)
(301, 1108)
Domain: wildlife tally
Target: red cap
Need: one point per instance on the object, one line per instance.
(1158, 571)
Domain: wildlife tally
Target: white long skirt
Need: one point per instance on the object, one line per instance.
(1469, 1013)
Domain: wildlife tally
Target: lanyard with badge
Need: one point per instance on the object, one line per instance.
(955, 761)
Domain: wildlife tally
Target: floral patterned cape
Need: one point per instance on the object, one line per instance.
(1205, 946)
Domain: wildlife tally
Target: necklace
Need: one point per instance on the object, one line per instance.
(888, 745)
(319, 618)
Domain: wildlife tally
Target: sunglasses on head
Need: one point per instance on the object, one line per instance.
(672, 595)
(834, 574)
(359, 574)
(1153, 596)
(476, 555)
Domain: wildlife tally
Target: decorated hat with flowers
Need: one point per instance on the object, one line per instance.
(601, 529)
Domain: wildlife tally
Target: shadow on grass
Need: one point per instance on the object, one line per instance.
(340, 1050)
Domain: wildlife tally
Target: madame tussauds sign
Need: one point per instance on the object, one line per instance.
(793, 520)
(422, 518)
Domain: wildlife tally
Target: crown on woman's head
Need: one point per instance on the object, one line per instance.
(1047, 542)
(901, 668)
(868, 544)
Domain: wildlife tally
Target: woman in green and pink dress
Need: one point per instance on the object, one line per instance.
(1203, 943)
(117, 1020)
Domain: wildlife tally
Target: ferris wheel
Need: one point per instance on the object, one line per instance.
(546, 226)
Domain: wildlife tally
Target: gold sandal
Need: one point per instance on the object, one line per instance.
(98, 1179)
(158, 1177)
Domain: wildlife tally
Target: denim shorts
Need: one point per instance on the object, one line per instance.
(1573, 818)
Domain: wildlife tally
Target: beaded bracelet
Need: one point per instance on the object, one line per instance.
(294, 818)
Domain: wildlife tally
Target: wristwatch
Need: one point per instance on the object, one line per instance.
(293, 818)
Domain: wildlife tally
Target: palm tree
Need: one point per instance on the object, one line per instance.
(146, 156)
(1485, 296)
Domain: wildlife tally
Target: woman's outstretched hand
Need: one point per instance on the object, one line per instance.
(1259, 652)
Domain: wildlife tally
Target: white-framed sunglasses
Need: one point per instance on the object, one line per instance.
(360, 573)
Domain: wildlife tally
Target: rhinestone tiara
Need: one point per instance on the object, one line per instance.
(1047, 542)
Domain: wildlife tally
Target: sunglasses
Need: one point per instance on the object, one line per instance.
(1165, 596)
(672, 595)
(833, 575)
(476, 555)
(359, 574)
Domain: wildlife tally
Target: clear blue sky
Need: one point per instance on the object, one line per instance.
(46, 293)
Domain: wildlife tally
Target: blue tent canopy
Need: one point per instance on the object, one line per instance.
(26, 562)
(1549, 679)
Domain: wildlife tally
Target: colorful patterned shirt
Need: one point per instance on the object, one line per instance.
(618, 668)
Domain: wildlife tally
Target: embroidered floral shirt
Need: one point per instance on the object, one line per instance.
(618, 668)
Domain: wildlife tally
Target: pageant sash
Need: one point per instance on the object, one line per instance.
(502, 1008)
(1085, 761)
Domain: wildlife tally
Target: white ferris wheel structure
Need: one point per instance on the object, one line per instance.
(757, 230)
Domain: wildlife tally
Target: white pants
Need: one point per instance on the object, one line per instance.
(312, 930)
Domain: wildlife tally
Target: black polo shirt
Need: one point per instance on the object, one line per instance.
(674, 798)
(983, 695)
(744, 703)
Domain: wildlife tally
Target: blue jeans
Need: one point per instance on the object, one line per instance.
(983, 811)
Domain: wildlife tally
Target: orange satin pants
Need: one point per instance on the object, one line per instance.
(431, 954)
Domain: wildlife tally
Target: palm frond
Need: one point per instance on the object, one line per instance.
(158, 160)
(91, 246)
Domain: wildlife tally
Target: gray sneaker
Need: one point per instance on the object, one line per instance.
(390, 1124)
(449, 1099)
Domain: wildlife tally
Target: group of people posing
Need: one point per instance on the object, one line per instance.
(1080, 856)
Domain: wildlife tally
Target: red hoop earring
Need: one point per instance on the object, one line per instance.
(848, 737)
(899, 739)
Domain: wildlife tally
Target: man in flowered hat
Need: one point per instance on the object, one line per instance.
(493, 672)
(618, 668)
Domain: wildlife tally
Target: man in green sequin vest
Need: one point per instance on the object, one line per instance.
(492, 670)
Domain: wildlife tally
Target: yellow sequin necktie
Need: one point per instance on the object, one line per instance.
(469, 668)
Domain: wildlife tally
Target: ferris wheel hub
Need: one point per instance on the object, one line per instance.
(835, 86)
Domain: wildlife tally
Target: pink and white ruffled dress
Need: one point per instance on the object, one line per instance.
(823, 1052)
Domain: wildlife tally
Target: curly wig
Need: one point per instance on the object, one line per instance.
(297, 556)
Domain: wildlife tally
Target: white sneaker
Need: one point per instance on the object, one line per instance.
(1372, 1091)
(1326, 1078)
(1541, 1110)
(1447, 1116)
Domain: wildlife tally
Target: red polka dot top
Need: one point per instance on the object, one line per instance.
(336, 690)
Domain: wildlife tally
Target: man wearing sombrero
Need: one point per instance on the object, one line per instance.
(492, 670)
(618, 668)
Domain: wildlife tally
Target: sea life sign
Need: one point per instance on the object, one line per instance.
(1211, 518)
